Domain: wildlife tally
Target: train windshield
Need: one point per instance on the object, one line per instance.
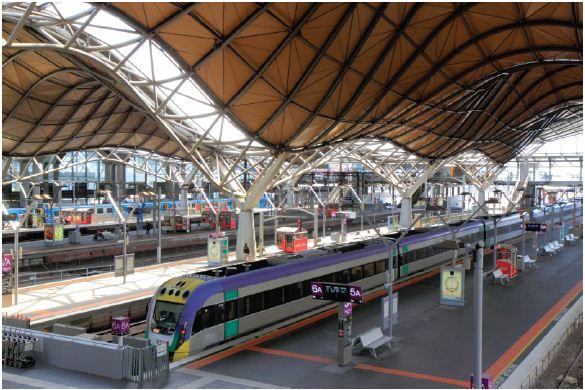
(165, 317)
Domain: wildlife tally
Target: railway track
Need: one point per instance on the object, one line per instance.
(573, 373)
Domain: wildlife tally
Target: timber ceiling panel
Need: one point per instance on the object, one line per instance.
(436, 78)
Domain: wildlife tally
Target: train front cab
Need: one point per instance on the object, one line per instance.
(168, 319)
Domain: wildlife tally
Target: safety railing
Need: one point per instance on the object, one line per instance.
(33, 278)
(144, 364)
(15, 321)
(433, 220)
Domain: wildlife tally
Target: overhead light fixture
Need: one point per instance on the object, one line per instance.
(492, 201)
(465, 193)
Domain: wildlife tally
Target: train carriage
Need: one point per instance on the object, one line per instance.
(196, 311)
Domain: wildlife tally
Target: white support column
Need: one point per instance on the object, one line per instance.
(481, 201)
(406, 203)
(183, 210)
(521, 185)
(246, 229)
(405, 213)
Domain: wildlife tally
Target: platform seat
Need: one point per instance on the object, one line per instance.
(500, 277)
(557, 245)
(372, 339)
(549, 249)
(570, 239)
(574, 237)
(528, 262)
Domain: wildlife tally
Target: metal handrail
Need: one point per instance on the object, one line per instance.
(34, 278)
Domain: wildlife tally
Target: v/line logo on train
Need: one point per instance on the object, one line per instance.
(196, 311)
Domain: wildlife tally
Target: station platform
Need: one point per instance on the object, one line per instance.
(432, 345)
(51, 301)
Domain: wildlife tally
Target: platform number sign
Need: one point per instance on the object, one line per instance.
(6, 262)
(120, 326)
(535, 227)
(336, 292)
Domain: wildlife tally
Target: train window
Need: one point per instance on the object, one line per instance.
(380, 266)
(293, 292)
(342, 276)
(329, 278)
(369, 270)
(109, 210)
(165, 317)
(100, 210)
(408, 257)
(272, 298)
(202, 319)
(356, 273)
(231, 310)
(256, 303)
(219, 312)
(307, 288)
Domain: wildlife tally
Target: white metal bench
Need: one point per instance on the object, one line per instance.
(557, 244)
(571, 240)
(574, 237)
(499, 276)
(528, 261)
(549, 249)
(372, 339)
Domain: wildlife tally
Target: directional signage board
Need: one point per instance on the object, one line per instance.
(336, 292)
(535, 227)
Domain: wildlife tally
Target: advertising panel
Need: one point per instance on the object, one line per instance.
(452, 286)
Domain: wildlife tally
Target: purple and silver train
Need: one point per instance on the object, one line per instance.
(195, 311)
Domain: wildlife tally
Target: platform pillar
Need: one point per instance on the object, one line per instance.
(246, 235)
(183, 202)
(478, 316)
(261, 249)
(315, 225)
(405, 213)
(481, 202)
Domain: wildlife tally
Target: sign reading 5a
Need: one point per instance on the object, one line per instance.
(336, 292)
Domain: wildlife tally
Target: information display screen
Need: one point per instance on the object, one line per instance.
(535, 227)
(336, 292)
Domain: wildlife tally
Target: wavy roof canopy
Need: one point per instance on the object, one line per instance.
(435, 78)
